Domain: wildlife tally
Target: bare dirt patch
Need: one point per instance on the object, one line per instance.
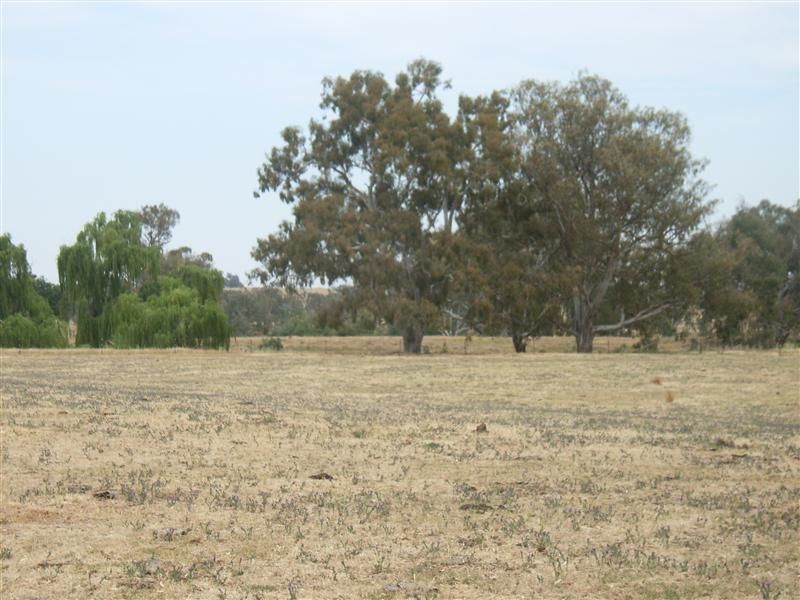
(337, 474)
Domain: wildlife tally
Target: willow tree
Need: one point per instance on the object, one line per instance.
(26, 319)
(620, 193)
(176, 316)
(111, 278)
(107, 259)
(375, 192)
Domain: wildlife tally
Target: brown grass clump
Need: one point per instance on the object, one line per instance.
(348, 473)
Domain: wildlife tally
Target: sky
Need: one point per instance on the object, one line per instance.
(115, 105)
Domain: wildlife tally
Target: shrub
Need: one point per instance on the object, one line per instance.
(273, 343)
(646, 343)
(26, 318)
(19, 331)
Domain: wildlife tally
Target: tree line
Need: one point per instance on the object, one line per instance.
(547, 208)
(119, 286)
(543, 208)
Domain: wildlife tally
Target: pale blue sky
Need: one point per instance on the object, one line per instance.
(116, 105)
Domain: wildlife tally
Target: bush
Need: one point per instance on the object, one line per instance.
(26, 318)
(646, 343)
(175, 317)
(273, 343)
(18, 331)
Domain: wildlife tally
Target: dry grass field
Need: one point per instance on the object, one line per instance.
(339, 470)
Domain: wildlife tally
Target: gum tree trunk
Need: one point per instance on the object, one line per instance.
(412, 339)
(520, 342)
(584, 339)
(583, 325)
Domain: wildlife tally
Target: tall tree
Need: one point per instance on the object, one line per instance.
(174, 259)
(157, 224)
(26, 319)
(376, 194)
(107, 259)
(620, 191)
(505, 276)
(112, 277)
(765, 243)
(501, 289)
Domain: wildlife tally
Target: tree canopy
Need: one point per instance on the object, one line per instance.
(157, 224)
(505, 278)
(111, 277)
(762, 306)
(618, 191)
(542, 201)
(375, 190)
(107, 259)
(26, 318)
(544, 208)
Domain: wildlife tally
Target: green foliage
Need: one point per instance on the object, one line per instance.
(375, 193)
(584, 198)
(504, 280)
(503, 290)
(255, 312)
(175, 317)
(761, 245)
(107, 259)
(271, 311)
(541, 204)
(15, 292)
(26, 318)
(232, 281)
(303, 324)
(51, 292)
(208, 283)
(18, 331)
(273, 343)
(335, 314)
(157, 224)
(111, 278)
(173, 260)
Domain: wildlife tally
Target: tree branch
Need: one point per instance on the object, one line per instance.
(640, 316)
(346, 180)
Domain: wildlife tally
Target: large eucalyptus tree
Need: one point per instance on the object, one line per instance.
(505, 278)
(619, 191)
(376, 188)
